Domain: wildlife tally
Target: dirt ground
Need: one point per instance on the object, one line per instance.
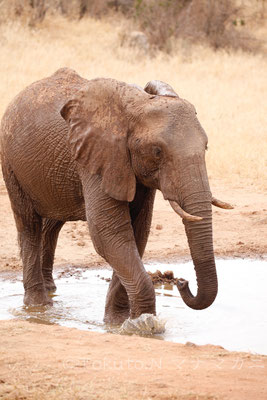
(52, 362)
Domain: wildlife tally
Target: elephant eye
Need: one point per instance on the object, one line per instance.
(157, 151)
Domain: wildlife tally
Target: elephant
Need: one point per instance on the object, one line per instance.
(97, 150)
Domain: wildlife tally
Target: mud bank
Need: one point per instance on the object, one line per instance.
(52, 362)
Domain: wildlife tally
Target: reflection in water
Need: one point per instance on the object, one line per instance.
(80, 300)
(165, 289)
(41, 314)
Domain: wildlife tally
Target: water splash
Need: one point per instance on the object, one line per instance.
(145, 325)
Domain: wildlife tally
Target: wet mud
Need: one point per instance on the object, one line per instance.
(159, 277)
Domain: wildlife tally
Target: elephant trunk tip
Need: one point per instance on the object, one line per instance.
(198, 302)
(182, 284)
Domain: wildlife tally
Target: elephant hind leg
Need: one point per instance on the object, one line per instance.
(29, 227)
(50, 232)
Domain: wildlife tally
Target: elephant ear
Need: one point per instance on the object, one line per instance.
(98, 137)
(160, 88)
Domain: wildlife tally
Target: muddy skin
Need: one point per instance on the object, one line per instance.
(74, 149)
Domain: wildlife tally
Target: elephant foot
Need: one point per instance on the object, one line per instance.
(50, 285)
(37, 296)
(116, 318)
(145, 324)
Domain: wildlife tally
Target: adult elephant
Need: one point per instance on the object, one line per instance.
(97, 150)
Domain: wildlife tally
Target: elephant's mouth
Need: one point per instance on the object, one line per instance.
(188, 217)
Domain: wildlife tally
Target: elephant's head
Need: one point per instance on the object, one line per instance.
(125, 133)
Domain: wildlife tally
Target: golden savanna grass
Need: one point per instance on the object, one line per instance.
(229, 90)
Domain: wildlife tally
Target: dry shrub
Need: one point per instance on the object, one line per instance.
(95, 8)
(211, 21)
(28, 11)
(34, 11)
(216, 23)
(206, 20)
(159, 20)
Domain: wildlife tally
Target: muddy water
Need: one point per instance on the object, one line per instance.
(237, 320)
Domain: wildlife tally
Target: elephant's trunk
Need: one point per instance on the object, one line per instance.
(187, 186)
(199, 235)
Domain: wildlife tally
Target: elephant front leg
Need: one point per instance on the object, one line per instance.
(112, 233)
(117, 307)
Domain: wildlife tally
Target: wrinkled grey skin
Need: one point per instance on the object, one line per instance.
(97, 150)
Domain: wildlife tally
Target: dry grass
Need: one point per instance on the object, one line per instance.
(228, 89)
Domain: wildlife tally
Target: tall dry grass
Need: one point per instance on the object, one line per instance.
(228, 89)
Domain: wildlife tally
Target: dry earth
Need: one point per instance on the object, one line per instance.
(52, 362)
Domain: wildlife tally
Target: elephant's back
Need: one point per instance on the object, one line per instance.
(32, 104)
(34, 143)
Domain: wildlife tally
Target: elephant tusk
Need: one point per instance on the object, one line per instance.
(221, 204)
(182, 213)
